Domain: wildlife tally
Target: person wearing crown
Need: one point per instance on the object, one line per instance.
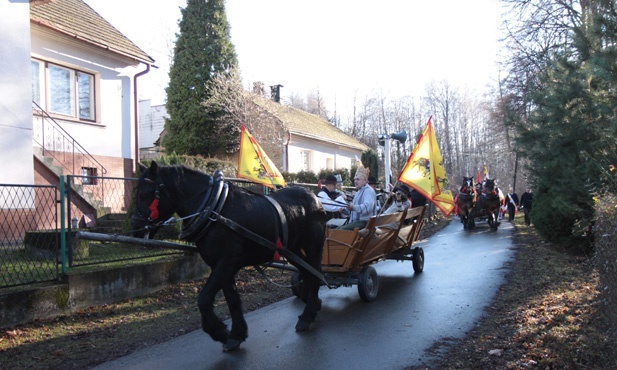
(363, 205)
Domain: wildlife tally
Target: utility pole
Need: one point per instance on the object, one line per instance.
(515, 169)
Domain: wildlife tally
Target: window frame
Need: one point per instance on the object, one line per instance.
(89, 176)
(78, 91)
(305, 157)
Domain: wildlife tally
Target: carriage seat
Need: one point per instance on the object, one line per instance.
(346, 250)
(413, 224)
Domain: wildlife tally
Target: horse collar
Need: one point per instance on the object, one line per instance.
(197, 227)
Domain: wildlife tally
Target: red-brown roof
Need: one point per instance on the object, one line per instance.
(76, 19)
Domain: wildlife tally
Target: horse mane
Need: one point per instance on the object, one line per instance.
(179, 172)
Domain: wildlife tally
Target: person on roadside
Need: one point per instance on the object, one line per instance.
(363, 205)
(526, 204)
(332, 200)
(512, 203)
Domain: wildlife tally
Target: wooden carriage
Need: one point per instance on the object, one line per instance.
(349, 254)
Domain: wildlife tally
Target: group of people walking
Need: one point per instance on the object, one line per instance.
(525, 203)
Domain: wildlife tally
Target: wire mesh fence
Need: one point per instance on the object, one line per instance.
(103, 205)
(29, 237)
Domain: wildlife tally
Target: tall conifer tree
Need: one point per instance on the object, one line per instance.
(202, 50)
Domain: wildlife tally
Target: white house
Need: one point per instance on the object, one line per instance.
(311, 143)
(69, 86)
(293, 139)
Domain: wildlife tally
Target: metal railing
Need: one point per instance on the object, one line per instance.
(55, 142)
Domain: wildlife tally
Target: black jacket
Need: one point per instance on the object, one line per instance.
(527, 200)
(514, 199)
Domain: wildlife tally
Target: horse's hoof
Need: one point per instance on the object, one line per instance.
(302, 325)
(231, 345)
(220, 335)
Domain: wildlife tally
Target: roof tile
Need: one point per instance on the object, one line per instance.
(76, 18)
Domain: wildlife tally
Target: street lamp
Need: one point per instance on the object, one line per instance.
(384, 139)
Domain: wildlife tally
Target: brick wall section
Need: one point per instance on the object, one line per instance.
(116, 168)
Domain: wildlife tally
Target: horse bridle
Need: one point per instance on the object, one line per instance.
(467, 187)
(154, 205)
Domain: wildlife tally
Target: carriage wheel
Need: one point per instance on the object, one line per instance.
(297, 283)
(418, 259)
(368, 284)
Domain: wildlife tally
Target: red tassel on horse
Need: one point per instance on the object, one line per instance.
(279, 247)
(154, 209)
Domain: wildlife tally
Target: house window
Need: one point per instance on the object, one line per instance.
(305, 160)
(329, 164)
(88, 176)
(63, 91)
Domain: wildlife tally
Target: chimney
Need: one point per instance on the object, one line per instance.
(259, 88)
(275, 93)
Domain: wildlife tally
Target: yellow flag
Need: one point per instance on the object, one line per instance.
(424, 171)
(254, 164)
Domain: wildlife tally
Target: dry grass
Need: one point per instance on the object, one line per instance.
(99, 334)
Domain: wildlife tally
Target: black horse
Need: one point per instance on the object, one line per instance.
(489, 203)
(465, 201)
(233, 228)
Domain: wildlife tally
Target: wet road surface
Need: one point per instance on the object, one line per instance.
(462, 273)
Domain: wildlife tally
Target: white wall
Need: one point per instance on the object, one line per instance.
(151, 123)
(113, 133)
(16, 157)
(320, 152)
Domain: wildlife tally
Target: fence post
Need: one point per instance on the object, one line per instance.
(62, 226)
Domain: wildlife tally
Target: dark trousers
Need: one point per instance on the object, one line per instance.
(527, 212)
(353, 225)
(511, 213)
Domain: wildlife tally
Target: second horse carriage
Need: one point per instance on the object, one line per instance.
(479, 202)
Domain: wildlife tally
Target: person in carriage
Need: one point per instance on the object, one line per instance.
(332, 200)
(379, 194)
(362, 208)
(400, 201)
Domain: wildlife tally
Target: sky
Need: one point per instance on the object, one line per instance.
(339, 48)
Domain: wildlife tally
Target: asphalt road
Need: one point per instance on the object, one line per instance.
(462, 273)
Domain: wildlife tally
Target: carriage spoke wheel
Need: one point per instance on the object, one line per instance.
(418, 259)
(368, 284)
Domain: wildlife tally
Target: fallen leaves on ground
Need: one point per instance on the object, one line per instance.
(546, 316)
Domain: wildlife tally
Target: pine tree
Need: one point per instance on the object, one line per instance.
(202, 50)
(571, 138)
